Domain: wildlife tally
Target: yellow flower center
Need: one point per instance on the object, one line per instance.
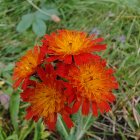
(70, 43)
(47, 100)
(28, 63)
(91, 80)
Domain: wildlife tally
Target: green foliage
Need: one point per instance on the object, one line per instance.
(36, 20)
(37, 134)
(14, 109)
(25, 22)
(26, 129)
(113, 18)
(39, 27)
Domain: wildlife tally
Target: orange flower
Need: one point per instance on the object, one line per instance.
(66, 45)
(27, 66)
(47, 99)
(94, 84)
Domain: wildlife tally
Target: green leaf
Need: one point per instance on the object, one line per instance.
(12, 137)
(25, 130)
(2, 134)
(14, 109)
(9, 67)
(41, 16)
(51, 11)
(83, 123)
(39, 27)
(25, 22)
(61, 127)
(37, 134)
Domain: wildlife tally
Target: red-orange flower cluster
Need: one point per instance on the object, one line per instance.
(78, 77)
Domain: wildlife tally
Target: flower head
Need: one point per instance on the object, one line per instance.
(94, 84)
(27, 65)
(47, 99)
(66, 45)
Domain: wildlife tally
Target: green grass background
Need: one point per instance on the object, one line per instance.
(114, 19)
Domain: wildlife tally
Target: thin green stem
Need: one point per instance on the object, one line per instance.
(63, 127)
(82, 132)
(89, 117)
(36, 7)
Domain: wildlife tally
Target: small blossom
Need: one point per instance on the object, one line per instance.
(95, 31)
(122, 38)
(47, 99)
(4, 99)
(94, 83)
(66, 45)
(27, 65)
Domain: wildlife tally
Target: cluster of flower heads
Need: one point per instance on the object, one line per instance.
(63, 75)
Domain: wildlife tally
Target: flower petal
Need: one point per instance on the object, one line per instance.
(85, 107)
(42, 74)
(94, 109)
(25, 83)
(67, 120)
(51, 58)
(51, 123)
(104, 107)
(17, 83)
(68, 59)
(99, 47)
(76, 106)
(84, 58)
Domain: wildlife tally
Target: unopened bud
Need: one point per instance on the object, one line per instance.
(55, 18)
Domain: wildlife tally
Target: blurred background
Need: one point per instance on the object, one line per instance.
(22, 25)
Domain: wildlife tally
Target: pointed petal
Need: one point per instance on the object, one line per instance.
(31, 83)
(51, 58)
(85, 107)
(51, 123)
(98, 40)
(110, 97)
(29, 114)
(99, 47)
(76, 106)
(104, 107)
(35, 118)
(69, 90)
(94, 109)
(25, 83)
(17, 83)
(63, 69)
(67, 120)
(26, 94)
(110, 71)
(84, 58)
(42, 53)
(68, 59)
(42, 74)
(35, 51)
(71, 98)
(49, 69)
(116, 86)
(68, 110)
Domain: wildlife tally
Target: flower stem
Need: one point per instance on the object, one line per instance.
(36, 7)
(82, 132)
(63, 127)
